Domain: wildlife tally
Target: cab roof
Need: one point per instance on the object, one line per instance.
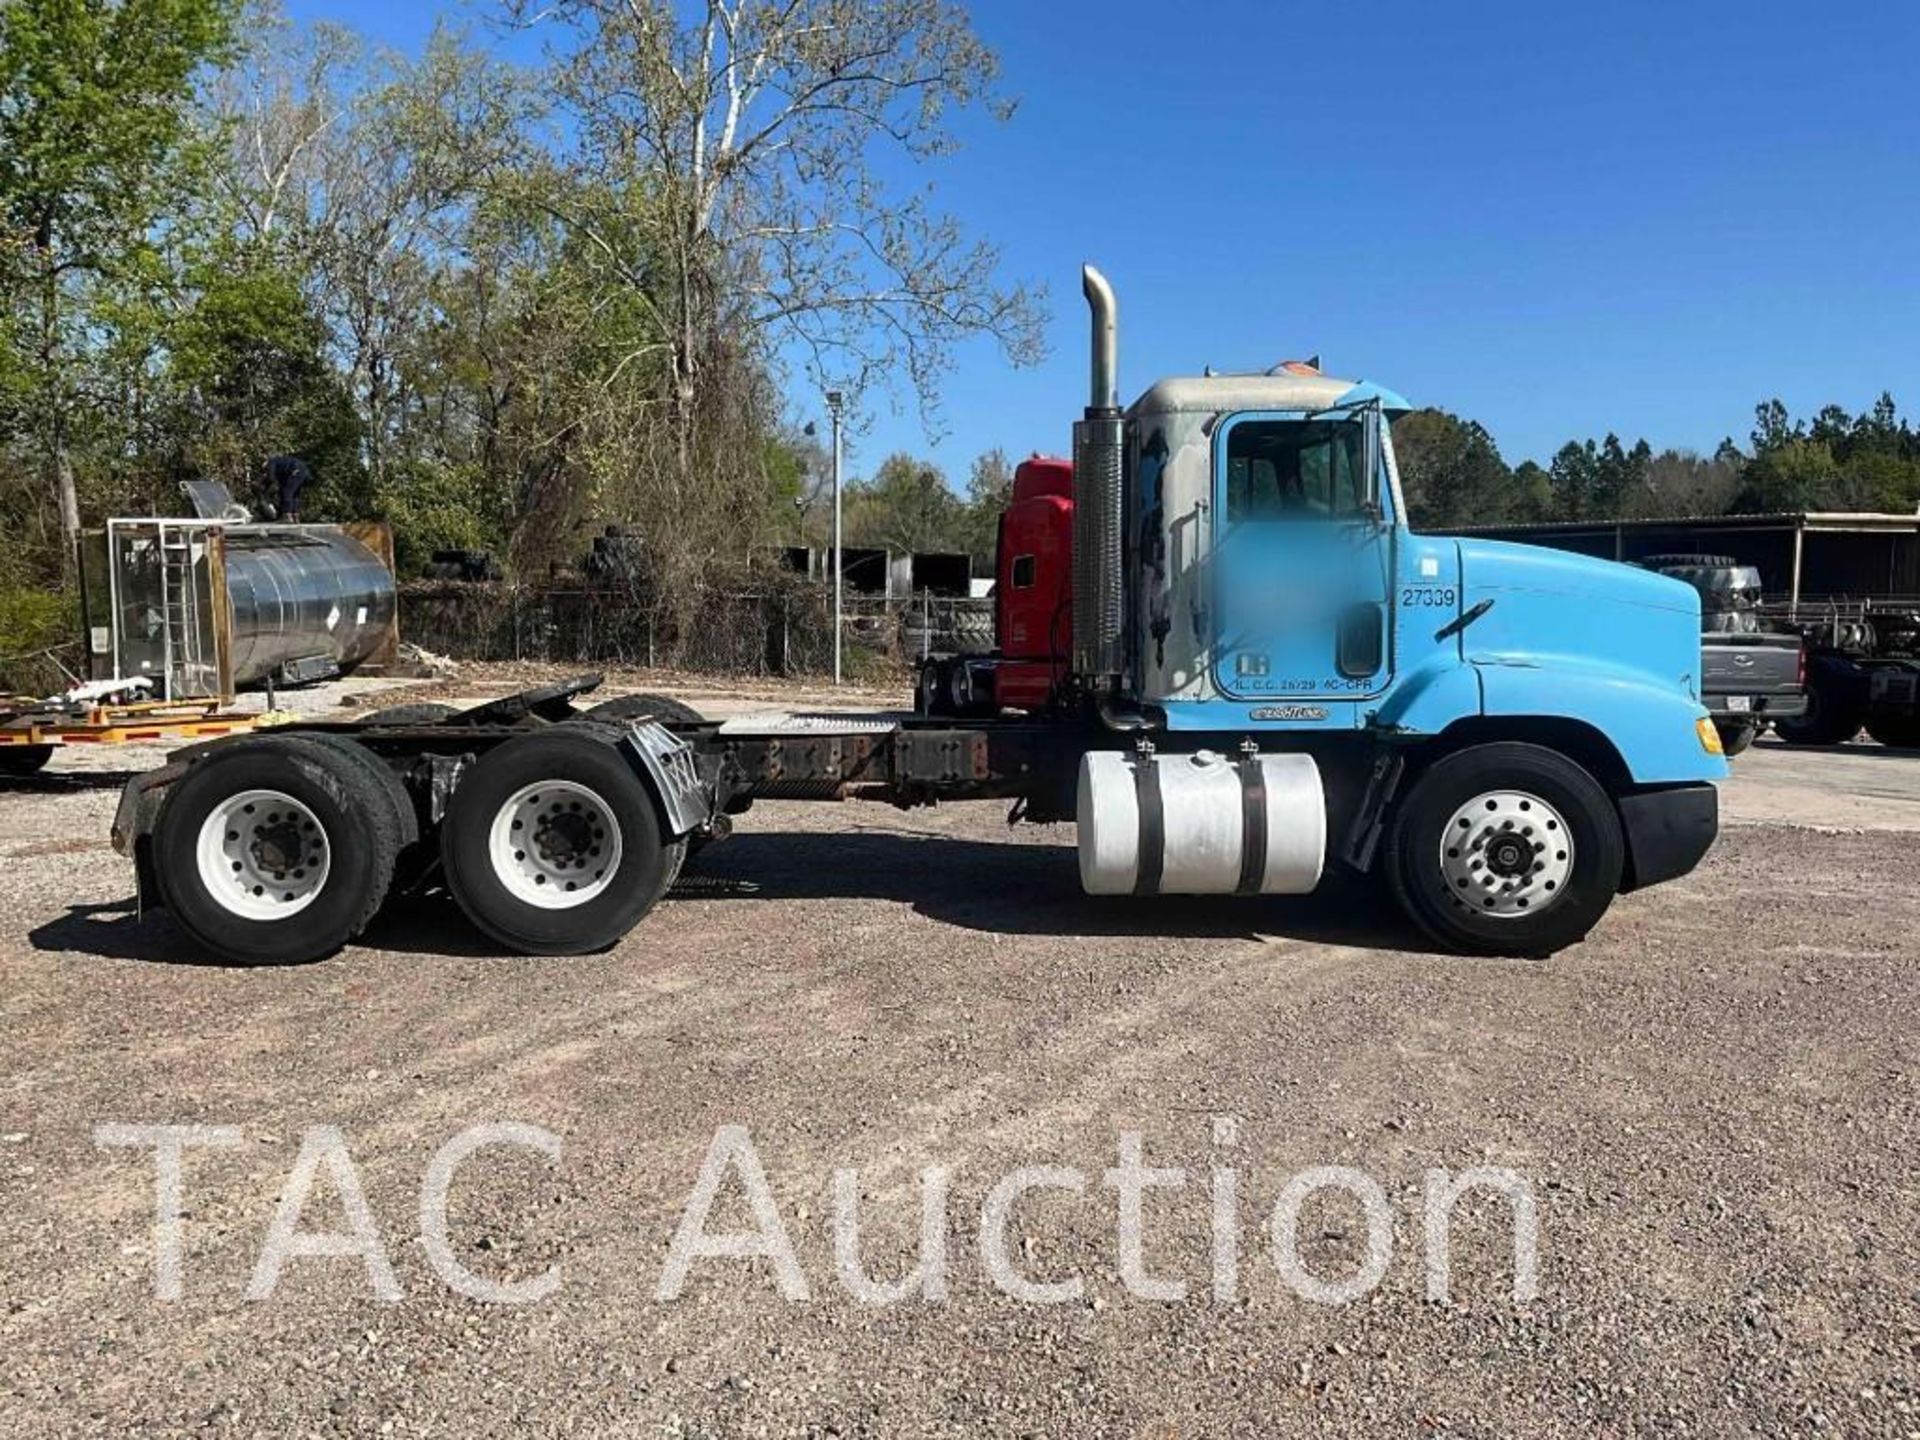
(1293, 386)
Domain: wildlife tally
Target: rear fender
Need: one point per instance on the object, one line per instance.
(140, 805)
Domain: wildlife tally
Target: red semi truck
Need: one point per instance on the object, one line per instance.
(1032, 605)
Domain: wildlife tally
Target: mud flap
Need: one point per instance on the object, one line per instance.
(686, 804)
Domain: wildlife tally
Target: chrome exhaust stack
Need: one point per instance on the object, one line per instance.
(1105, 349)
(1099, 500)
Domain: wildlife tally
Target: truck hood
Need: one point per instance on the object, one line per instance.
(1551, 610)
(1495, 565)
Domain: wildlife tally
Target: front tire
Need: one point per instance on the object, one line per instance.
(275, 850)
(552, 844)
(1506, 849)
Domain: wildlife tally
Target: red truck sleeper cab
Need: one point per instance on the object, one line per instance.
(1033, 589)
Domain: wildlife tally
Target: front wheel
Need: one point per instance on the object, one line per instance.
(1506, 849)
(552, 844)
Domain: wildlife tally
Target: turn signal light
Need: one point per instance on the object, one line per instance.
(1709, 737)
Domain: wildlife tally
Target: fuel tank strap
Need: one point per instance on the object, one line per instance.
(1253, 828)
(1153, 828)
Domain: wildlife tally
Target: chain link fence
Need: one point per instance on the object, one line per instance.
(778, 631)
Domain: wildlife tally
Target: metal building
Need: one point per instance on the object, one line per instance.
(1807, 557)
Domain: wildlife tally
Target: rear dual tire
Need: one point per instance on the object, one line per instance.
(552, 843)
(279, 850)
(953, 689)
(423, 712)
(663, 708)
(1836, 709)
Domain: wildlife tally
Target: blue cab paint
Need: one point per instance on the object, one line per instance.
(1548, 636)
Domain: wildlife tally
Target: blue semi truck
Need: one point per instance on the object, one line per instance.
(1260, 674)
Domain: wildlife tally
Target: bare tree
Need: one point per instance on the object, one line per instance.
(362, 169)
(755, 125)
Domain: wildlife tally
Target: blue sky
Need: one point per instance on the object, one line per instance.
(1558, 219)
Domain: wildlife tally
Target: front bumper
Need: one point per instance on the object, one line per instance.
(1668, 831)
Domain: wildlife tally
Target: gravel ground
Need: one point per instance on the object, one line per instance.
(1713, 1101)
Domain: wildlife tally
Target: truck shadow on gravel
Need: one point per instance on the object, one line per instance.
(65, 782)
(116, 931)
(1003, 888)
(418, 924)
(1026, 889)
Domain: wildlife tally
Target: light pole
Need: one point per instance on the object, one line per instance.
(834, 401)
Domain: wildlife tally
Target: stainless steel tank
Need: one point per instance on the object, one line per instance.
(307, 601)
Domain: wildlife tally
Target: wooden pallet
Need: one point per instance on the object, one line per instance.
(121, 724)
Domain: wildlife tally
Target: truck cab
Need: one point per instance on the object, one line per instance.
(1280, 590)
(1244, 584)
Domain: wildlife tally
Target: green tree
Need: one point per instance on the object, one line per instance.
(731, 174)
(96, 158)
(250, 377)
(906, 507)
(1838, 461)
(1680, 482)
(989, 492)
(1532, 492)
(1574, 479)
(1451, 471)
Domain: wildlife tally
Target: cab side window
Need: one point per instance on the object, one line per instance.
(1296, 470)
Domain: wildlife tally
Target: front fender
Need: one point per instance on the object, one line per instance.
(1654, 727)
(1432, 696)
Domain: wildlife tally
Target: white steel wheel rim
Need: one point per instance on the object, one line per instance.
(1506, 854)
(263, 855)
(555, 844)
